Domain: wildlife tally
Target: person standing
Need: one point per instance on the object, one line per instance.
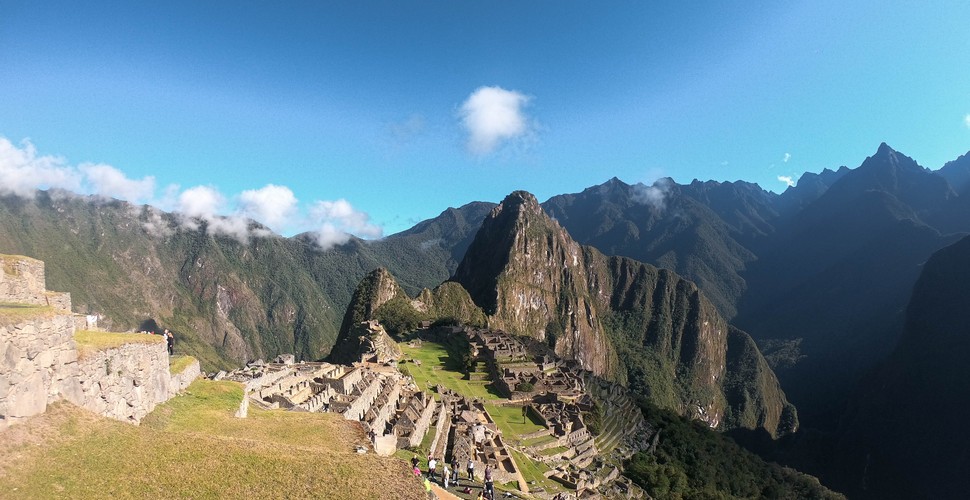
(455, 471)
(432, 464)
(446, 474)
(488, 481)
(471, 470)
(170, 338)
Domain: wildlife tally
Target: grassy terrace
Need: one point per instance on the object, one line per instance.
(89, 341)
(437, 367)
(193, 447)
(11, 313)
(178, 364)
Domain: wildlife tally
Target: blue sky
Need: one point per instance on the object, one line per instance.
(370, 116)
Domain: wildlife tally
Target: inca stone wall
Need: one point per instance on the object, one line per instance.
(125, 382)
(39, 359)
(38, 365)
(22, 282)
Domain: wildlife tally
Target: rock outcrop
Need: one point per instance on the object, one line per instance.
(531, 278)
(621, 319)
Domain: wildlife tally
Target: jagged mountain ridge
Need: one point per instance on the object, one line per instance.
(229, 302)
(531, 278)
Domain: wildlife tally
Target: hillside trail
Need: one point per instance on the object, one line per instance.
(443, 493)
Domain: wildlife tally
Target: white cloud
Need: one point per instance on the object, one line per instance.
(966, 120)
(108, 181)
(336, 220)
(492, 115)
(201, 201)
(272, 205)
(22, 171)
(787, 179)
(654, 195)
(785, 158)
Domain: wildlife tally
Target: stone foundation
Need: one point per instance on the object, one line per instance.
(38, 365)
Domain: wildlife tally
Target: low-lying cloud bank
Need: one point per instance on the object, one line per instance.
(23, 171)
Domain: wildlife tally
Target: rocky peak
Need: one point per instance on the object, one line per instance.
(529, 276)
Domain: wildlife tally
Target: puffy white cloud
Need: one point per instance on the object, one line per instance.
(108, 181)
(201, 201)
(335, 221)
(272, 205)
(492, 115)
(654, 195)
(787, 179)
(966, 120)
(785, 158)
(23, 171)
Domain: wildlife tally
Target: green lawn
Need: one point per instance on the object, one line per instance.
(511, 422)
(437, 368)
(193, 447)
(533, 471)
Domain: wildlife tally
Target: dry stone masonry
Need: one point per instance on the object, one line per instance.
(39, 361)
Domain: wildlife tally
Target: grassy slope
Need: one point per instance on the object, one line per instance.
(89, 341)
(192, 447)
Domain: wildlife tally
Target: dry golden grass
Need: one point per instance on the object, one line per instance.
(11, 313)
(89, 341)
(192, 447)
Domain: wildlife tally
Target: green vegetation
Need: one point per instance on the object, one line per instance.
(692, 461)
(524, 387)
(512, 422)
(193, 447)
(398, 316)
(178, 364)
(90, 341)
(533, 472)
(437, 366)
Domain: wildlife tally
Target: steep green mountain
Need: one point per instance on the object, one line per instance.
(903, 435)
(835, 278)
(380, 297)
(672, 226)
(226, 301)
(229, 302)
(620, 318)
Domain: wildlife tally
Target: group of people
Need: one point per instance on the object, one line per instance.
(169, 339)
(450, 476)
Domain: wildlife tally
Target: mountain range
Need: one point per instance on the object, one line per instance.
(821, 277)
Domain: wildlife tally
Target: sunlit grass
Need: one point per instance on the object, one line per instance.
(193, 447)
(12, 313)
(89, 341)
(178, 364)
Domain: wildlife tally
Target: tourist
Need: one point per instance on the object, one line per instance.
(488, 480)
(432, 464)
(414, 461)
(455, 471)
(427, 487)
(446, 474)
(170, 338)
(471, 470)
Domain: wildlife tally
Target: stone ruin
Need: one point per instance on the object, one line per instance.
(391, 410)
(39, 361)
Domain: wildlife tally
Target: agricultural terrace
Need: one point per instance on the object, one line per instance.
(431, 364)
